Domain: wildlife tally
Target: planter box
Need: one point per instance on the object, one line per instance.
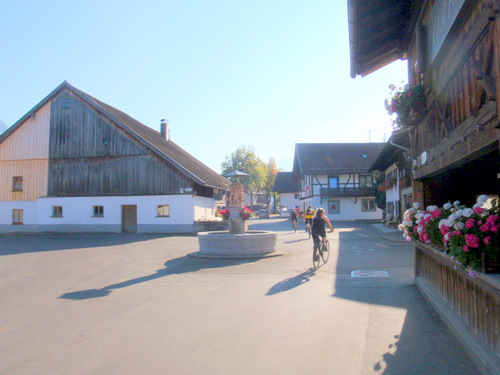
(469, 305)
(209, 226)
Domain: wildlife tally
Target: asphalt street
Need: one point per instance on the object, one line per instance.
(140, 304)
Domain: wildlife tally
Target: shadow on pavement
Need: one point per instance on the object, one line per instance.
(175, 266)
(291, 283)
(423, 344)
(31, 243)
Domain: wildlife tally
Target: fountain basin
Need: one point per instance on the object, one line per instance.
(252, 243)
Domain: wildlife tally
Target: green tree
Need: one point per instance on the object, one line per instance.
(272, 171)
(245, 160)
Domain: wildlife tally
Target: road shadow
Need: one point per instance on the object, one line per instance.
(423, 345)
(32, 243)
(177, 266)
(291, 282)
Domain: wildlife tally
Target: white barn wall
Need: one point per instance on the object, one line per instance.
(78, 211)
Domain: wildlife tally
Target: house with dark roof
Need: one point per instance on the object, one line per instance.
(76, 164)
(394, 160)
(336, 177)
(288, 189)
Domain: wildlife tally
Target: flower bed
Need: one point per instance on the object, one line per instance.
(468, 235)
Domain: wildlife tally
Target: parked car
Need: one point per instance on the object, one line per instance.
(263, 213)
(284, 212)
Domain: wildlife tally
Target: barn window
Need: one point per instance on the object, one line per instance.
(57, 211)
(163, 210)
(17, 183)
(17, 217)
(98, 211)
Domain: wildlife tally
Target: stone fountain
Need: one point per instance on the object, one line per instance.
(238, 241)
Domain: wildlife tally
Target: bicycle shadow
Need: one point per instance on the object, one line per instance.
(291, 282)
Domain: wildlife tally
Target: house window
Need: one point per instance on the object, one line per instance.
(333, 206)
(17, 217)
(368, 205)
(297, 196)
(17, 183)
(366, 181)
(98, 211)
(163, 210)
(333, 182)
(57, 211)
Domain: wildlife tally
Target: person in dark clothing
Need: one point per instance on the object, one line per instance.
(295, 219)
(318, 226)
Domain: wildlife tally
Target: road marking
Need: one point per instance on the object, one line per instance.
(368, 273)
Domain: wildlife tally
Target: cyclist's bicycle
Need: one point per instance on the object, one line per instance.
(308, 229)
(321, 253)
(295, 224)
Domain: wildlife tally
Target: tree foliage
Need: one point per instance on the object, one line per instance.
(245, 160)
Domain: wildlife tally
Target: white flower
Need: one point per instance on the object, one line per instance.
(482, 199)
(459, 213)
(447, 206)
(419, 215)
(442, 222)
(401, 227)
(416, 205)
(459, 226)
(468, 212)
(432, 208)
(447, 237)
(420, 229)
(456, 203)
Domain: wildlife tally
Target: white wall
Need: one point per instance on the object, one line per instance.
(78, 213)
(289, 200)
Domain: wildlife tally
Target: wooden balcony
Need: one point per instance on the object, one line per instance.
(347, 192)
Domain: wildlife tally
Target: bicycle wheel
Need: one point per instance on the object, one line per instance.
(295, 225)
(308, 229)
(325, 254)
(316, 257)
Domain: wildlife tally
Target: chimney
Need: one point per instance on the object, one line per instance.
(164, 129)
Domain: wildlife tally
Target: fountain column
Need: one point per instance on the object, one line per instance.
(236, 198)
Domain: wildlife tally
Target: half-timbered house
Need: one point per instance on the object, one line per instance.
(335, 176)
(76, 164)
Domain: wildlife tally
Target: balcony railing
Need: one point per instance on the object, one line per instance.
(347, 192)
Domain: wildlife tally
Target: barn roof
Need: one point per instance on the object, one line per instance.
(166, 149)
(334, 158)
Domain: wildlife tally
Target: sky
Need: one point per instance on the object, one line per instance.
(224, 73)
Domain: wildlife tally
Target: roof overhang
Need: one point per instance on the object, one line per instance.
(378, 33)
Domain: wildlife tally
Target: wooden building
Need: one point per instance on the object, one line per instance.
(453, 53)
(335, 176)
(74, 163)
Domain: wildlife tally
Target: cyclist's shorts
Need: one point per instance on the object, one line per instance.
(316, 234)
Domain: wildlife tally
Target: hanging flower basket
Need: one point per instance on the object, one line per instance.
(407, 103)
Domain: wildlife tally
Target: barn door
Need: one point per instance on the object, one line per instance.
(129, 219)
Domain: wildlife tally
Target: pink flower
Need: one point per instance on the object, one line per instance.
(494, 228)
(491, 219)
(466, 248)
(484, 227)
(478, 210)
(472, 240)
(436, 213)
(487, 240)
(469, 223)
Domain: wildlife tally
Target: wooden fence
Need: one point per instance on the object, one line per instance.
(468, 303)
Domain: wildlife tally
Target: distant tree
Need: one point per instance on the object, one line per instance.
(245, 160)
(272, 171)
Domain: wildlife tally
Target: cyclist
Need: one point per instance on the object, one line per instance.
(309, 216)
(318, 226)
(294, 218)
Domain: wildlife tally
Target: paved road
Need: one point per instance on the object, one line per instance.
(125, 304)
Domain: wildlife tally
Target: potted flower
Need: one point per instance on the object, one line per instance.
(469, 235)
(405, 102)
(246, 213)
(224, 214)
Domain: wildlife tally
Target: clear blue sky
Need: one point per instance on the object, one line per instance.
(225, 73)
